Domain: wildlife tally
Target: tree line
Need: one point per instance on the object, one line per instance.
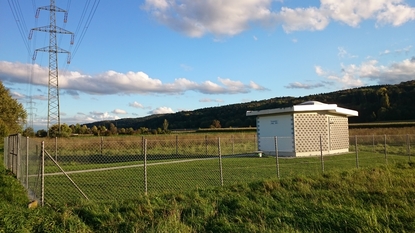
(379, 103)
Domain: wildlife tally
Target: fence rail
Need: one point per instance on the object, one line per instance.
(119, 168)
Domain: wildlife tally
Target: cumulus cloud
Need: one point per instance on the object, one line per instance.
(161, 110)
(119, 111)
(135, 104)
(228, 18)
(371, 72)
(112, 82)
(196, 18)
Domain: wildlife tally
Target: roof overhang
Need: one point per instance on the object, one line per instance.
(331, 108)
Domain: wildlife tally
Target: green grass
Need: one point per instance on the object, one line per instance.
(375, 199)
(129, 182)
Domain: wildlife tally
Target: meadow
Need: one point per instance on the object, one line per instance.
(337, 194)
(115, 168)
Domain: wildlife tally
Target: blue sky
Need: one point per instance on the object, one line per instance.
(135, 58)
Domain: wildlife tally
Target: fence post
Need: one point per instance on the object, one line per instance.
(357, 153)
(220, 163)
(27, 163)
(373, 143)
(42, 175)
(321, 154)
(18, 159)
(145, 165)
(276, 156)
(56, 149)
(384, 147)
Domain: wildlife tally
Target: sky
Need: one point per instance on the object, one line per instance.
(136, 58)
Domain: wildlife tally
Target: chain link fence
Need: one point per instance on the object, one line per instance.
(120, 168)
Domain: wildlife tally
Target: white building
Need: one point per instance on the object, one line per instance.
(299, 128)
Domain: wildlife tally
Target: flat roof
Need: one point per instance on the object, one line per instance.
(309, 106)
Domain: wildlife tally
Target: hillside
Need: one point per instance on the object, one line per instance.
(374, 104)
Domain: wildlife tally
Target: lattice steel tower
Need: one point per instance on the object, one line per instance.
(53, 50)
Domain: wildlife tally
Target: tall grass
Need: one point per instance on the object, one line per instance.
(376, 199)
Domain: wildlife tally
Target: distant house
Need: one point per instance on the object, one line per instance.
(299, 128)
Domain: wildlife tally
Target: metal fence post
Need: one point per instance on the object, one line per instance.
(220, 163)
(27, 163)
(276, 157)
(321, 154)
(356, 150)
(56, 149)
(145, 165)
(42, 175)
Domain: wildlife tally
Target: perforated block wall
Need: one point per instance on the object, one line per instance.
(339, 132)
(307, 131)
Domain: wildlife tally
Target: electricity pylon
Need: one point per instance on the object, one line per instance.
(53, 50)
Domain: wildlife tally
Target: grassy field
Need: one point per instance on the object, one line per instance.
(187, 196)
(113, 168)
(376, 199)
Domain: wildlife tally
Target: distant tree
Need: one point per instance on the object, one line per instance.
(165, 126)
(113, 129)
(12, 113)
(95, 130)
(29, 132)
(122, 131)
(130, 131)
(41, 133)
(65, 131)
(215, 124)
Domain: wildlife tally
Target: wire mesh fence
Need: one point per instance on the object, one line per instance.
(120, 168)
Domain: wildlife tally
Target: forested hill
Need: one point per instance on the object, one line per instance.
(374, 104)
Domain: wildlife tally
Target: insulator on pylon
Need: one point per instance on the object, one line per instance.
(72, 38)
(68, 60)
(65, 17)
(37, 13)
(34, 56)
(30, 34)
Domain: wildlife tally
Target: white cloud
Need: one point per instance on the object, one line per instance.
(298, 85)
(135, 104)
(112, 82)
(303, 19)
(208, 100)
(231, 17)
(119, 111)
(370, 72)
(161, 110)
(196, 18)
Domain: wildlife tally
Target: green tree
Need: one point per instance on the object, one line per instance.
(41, 133)
(12, 113)
(29, 132)
(65, 131)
